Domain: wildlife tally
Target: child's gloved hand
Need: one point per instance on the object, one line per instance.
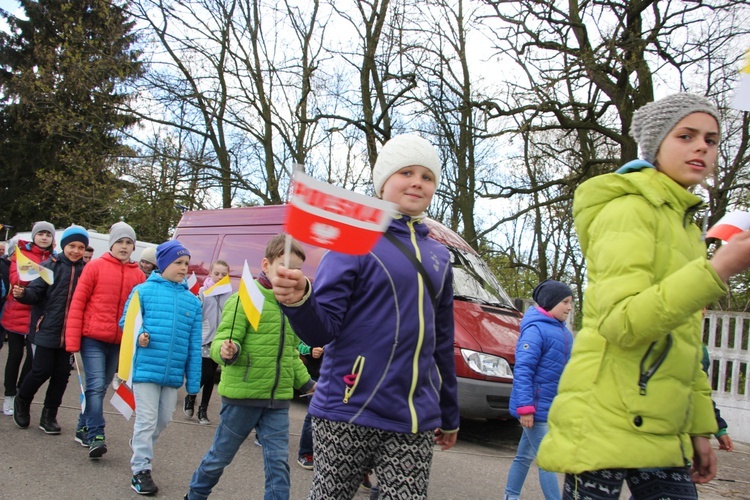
(143, 339)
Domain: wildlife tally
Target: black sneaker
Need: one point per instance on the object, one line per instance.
(82, 436)
(21, 413)
(143, 484)
(202, 417)
(97, 448)
(188, 407)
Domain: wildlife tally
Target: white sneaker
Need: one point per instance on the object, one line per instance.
(8, 405)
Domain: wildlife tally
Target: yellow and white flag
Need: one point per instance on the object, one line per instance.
(741, 99)
(250, 297)
(28, 270)
(224, 285)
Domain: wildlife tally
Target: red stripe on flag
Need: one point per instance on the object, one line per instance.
(723, 231)
(126, 394)
(327, 233)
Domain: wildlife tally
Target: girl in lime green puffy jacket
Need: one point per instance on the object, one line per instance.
(633, 404)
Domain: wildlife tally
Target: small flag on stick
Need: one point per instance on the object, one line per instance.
(124, 400)
(224, 285)
(80, 384)
(192, 283)
(250, 297)
(331, 217)
(729, 225)
(28, 270)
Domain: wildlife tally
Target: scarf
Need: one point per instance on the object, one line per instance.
(264, 281)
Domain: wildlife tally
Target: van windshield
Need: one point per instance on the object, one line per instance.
(474, 282)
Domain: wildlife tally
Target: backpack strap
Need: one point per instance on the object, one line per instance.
(417, 264)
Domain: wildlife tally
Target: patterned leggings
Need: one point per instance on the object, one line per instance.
(672, 483)
(345, 452)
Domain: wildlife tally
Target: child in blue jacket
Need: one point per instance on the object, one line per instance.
(168, 351)
(542, 351)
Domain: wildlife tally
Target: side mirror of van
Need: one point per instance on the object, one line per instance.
(519, 304)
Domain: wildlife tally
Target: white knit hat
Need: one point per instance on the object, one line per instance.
(652, 122)
(120, 230)
(149, 255)
(404, 151)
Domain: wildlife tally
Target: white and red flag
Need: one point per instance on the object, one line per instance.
(331, 217)
(193, 285)
(729, 225)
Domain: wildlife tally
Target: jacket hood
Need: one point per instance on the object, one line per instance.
(535, 315)
(656, 187)
(156, 276)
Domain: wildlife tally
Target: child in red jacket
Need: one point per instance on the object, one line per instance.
(17, 316)
(93, 327)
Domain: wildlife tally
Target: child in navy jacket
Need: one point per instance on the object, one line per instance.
(51, 303)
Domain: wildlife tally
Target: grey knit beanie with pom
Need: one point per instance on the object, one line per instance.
(652, 122)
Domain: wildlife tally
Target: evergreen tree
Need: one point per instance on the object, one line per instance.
(63, 76)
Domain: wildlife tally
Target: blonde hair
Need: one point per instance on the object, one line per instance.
(219, 262)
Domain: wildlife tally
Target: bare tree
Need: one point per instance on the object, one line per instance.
(582, 69)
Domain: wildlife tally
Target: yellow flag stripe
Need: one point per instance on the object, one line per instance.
(746, 69)
(133, 322)
(28, 270)
(252, 313)
(250, 297)
(224, 285)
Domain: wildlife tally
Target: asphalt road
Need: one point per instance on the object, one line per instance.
(34, 465)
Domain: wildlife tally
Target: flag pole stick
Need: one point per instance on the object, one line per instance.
(298, 167)
(234, 318)
(80, 383)
(287, 249)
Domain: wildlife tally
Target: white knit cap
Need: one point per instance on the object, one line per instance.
(120, 230)
(404, 151)
(149, 255)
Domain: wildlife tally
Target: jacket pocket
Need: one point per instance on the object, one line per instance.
(352, 379)
(653, 389)
(247, 369)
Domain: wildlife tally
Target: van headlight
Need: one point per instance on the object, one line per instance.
(487, 364)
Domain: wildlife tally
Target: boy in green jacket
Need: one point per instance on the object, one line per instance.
(259, 371)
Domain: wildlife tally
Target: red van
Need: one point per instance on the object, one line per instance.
(486, 323)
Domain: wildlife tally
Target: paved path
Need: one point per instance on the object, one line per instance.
(34, 465)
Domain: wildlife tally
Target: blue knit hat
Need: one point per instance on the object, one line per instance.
(168, 252)
(74, 233)
(549, 293)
